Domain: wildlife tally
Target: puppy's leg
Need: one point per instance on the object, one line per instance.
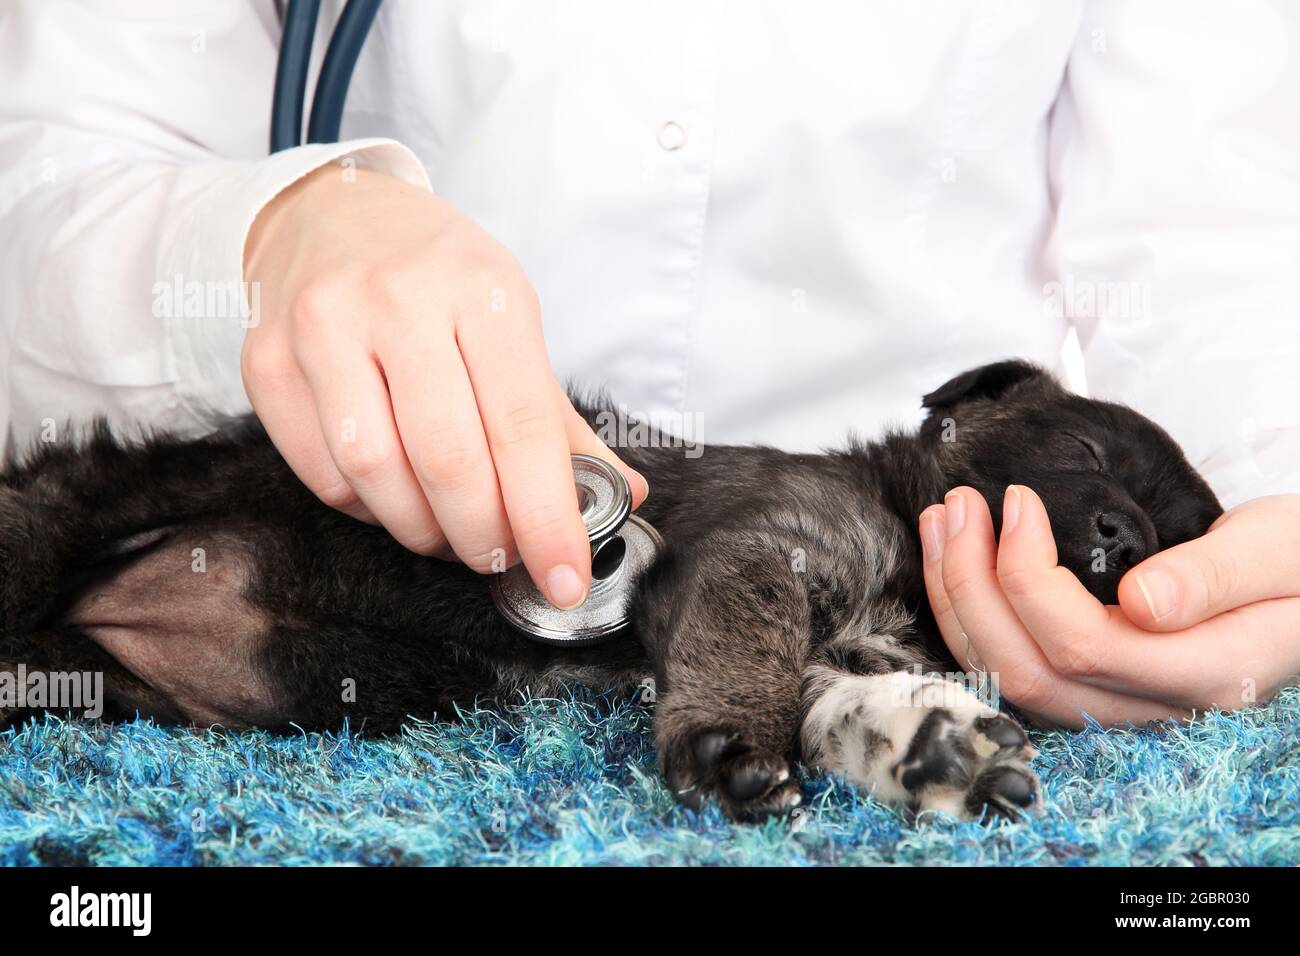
(91, 502)
(100, 566)
(922, 742)
(60, 656)
(727, 627)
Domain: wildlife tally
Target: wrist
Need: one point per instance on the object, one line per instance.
(311, 203)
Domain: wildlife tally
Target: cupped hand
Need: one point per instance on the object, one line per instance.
(398, 365)
(1214, 622)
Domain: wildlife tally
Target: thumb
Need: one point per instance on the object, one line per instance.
(1250, 554)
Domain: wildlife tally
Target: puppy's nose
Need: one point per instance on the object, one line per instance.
(1120, 537)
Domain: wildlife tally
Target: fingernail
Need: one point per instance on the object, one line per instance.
(1161, 592)
(931, 536)
(955, 510)
(1010, 508)
(564, 588)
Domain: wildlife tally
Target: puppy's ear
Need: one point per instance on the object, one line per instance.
(987, 381)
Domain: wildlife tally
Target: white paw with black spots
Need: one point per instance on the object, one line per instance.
(923, 743)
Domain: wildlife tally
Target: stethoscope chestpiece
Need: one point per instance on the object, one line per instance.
(622, 547)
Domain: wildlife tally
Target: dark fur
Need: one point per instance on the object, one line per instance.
(775, 563)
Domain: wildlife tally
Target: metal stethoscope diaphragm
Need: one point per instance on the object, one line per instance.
(622, 547)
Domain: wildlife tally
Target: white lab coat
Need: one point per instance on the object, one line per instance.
(770, 221)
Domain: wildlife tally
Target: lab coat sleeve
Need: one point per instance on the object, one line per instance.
(132, 162)
(1175, 165)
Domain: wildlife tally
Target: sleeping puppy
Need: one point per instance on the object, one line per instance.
(785, 619)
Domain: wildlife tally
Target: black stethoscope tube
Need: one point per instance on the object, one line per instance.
(335, 75)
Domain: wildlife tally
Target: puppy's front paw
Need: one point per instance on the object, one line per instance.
(922, 742)
(748, 782)
(965, 765)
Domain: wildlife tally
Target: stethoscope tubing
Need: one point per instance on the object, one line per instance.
(335, 76)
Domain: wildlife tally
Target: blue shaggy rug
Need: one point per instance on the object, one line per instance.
(573, 781)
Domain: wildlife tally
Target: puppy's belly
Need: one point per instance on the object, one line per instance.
(180, 623)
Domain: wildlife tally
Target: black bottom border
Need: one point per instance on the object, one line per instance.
(240, 905)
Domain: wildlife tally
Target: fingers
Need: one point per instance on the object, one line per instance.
(291, 423)
(934, 529)
(1087, 643)
(443, 439)
(1249, 555)
(970, 582)
(356, 421)
(967, 575)
(1067, 622)
(527, 438)
(1076, 633)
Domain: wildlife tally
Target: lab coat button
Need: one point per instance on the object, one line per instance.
(671, 136)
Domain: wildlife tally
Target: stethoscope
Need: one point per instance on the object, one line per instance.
(336, 71)
(622, 545)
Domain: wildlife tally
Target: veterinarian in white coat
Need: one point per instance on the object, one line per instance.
(754, 222)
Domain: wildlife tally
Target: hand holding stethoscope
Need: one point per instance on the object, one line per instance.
(399, 367)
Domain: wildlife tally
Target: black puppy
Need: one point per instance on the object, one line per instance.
(787, 616)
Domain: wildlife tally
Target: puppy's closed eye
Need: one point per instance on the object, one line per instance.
(1094, 452)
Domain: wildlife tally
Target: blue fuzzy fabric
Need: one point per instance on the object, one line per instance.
(573, 781)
